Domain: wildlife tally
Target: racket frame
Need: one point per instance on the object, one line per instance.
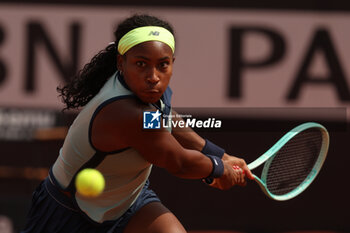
(269, 155)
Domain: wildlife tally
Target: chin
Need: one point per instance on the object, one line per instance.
(153, 101)
(150, 100)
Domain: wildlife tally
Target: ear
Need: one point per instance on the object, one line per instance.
(120, 62)
(173, 59)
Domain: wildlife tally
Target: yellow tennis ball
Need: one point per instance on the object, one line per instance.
(90, 182)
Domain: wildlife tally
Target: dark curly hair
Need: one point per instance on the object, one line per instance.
(88, 81)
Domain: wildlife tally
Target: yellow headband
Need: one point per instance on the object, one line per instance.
(143, 34)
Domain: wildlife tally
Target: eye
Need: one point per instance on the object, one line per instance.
(140, 63)
(164, 65)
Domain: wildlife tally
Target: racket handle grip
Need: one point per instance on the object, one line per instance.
(210, 180)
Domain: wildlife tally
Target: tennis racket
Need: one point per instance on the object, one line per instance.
(293, 162)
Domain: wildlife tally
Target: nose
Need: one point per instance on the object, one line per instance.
(152, 76)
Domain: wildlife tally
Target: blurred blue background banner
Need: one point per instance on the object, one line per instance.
(261, 66)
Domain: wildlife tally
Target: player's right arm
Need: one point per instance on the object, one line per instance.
(119, 125)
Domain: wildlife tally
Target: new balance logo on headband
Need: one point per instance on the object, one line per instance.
(143, 34)
(153, 33)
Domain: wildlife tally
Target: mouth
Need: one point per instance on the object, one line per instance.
(152, 91)
(151, 95)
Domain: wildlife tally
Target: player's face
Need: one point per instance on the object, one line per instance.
(147, 69)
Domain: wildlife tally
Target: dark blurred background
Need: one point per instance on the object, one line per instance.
(261, 67)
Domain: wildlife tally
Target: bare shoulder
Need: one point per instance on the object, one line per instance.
(123, 109)
(115, 121)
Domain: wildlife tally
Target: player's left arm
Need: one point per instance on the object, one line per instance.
(189, 139)
(186, 136)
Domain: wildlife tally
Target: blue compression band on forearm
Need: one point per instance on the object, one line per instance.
(218, 167)
(212, 149)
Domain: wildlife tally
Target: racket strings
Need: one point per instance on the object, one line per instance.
(293, 162)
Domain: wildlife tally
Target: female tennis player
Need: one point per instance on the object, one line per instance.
(127, 78)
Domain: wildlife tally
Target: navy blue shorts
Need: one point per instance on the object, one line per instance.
(51, 211)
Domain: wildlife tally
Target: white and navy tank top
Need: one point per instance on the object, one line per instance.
(125, 171)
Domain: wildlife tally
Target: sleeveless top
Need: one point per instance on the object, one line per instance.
(125, 171)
